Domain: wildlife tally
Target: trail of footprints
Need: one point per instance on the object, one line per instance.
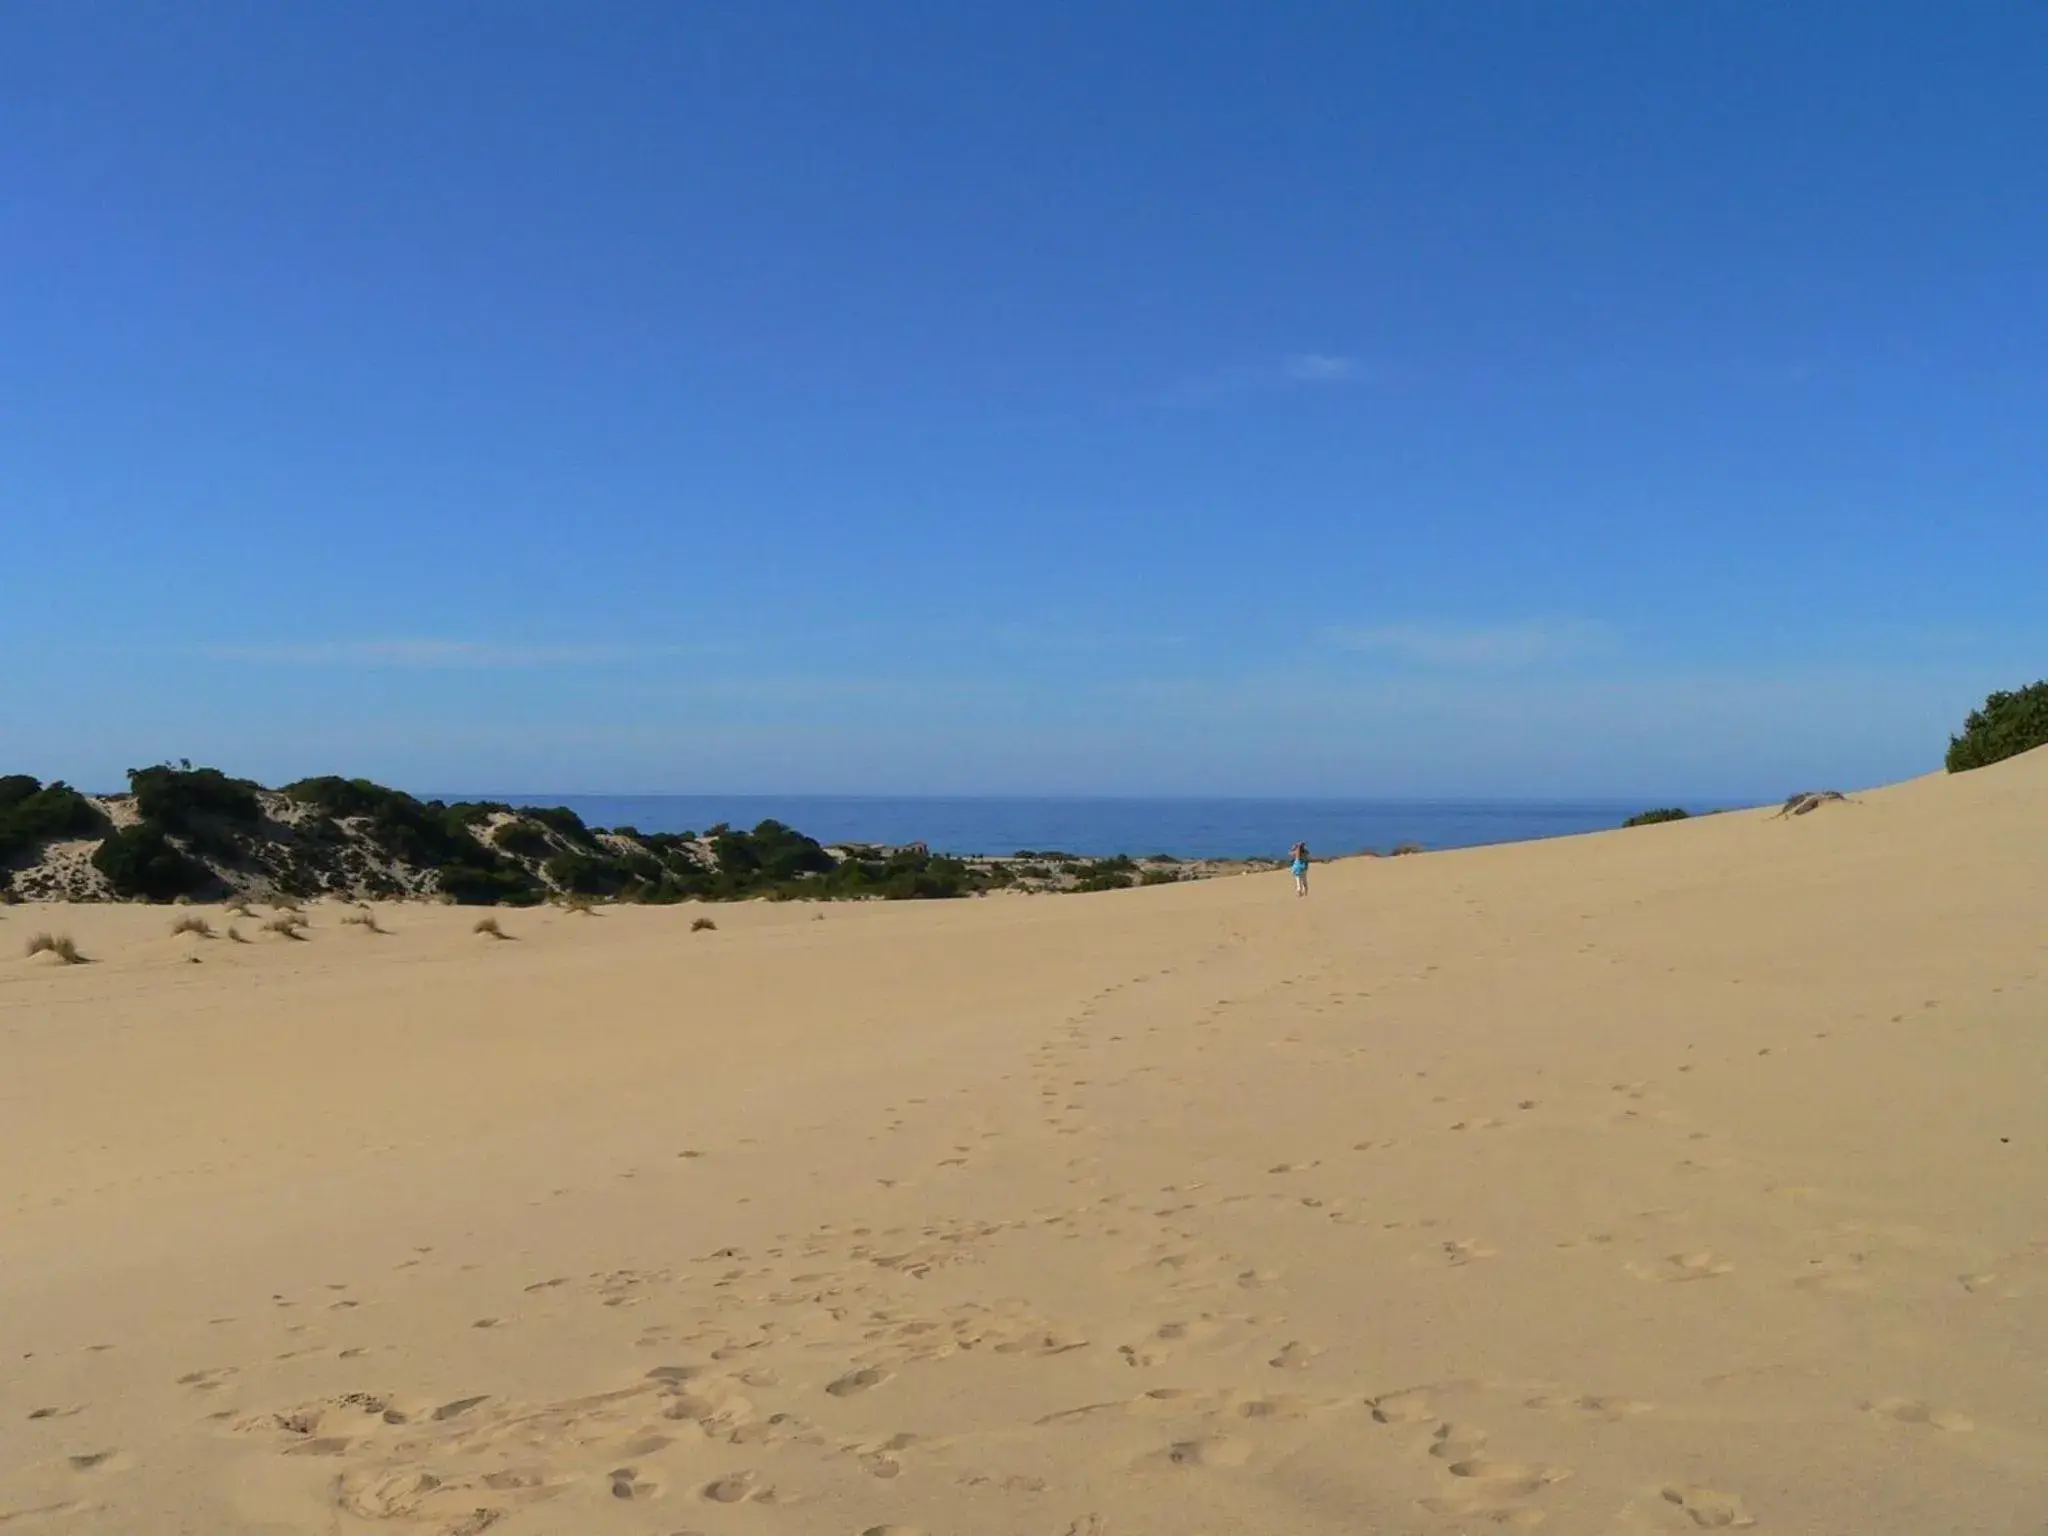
(768, 1355)
(745, 1419)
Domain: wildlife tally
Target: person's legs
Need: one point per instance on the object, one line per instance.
(1301, 882)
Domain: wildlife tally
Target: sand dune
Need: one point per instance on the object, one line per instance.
(1694, 1176)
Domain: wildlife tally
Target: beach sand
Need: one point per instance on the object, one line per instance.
(1693, 1176)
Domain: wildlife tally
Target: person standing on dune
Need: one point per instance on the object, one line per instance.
(1299, 854)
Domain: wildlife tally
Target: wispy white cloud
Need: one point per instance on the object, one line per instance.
(433, 652)
(1303, 370)
(1479, 646)
(1319, 368)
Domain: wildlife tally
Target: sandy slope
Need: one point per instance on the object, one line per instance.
(1694, 1176)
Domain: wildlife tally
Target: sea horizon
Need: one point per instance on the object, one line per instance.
(1183, 826)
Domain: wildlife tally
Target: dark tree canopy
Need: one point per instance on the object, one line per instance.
(2007, 725)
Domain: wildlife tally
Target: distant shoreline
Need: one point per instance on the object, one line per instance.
(1186, 827)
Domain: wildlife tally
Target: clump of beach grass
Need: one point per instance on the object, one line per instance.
(193, 923)
(490, 926)
(235, 935)
(58, 944)
(579, 903)
(364, 918)
(702, 925)
(287, 925)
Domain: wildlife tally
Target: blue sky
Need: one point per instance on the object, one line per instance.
(1351, 399)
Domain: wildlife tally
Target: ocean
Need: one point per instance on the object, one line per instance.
(1189, 829)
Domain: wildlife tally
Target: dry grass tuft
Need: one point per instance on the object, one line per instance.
(365, 919)
(580, 904)
(490, 926)
(192, 923)
(235, 935)
(287, 925)
(59, 945)
(701, 925)
(1407, 848)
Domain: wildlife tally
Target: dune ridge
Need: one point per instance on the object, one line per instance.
(1688, 1177)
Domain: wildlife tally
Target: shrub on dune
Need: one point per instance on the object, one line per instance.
(142, 861)
(32, 813)
(1662, 813)
(2007, 725)
(522, 838)
(192, 923)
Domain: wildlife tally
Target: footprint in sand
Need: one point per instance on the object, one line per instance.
(1294, 1356)
(857, 1381)
(1211, 1452)
(1284, 1406)
(1456, 1442)
(1510, 1479)
(1709, 1507)
(1610, 1408)
(1477, 1501)
(735, 1489)
(1704, 1265)
(1906, 1410)
(627, 1483)
(1401, 1408)
(1462, 1251)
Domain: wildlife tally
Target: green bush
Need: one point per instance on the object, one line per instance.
(589, 874)
(1159, 877)
(1662, 813)
(142, 861)
(173, 796)
(2007, 725)
(334, 796)
(563, 820)
(771, 854)
(505, 884)
(524, 839)
(17, 787)
(32, 813)
(1111, 874)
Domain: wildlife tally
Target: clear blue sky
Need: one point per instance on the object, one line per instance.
(1426, 398)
